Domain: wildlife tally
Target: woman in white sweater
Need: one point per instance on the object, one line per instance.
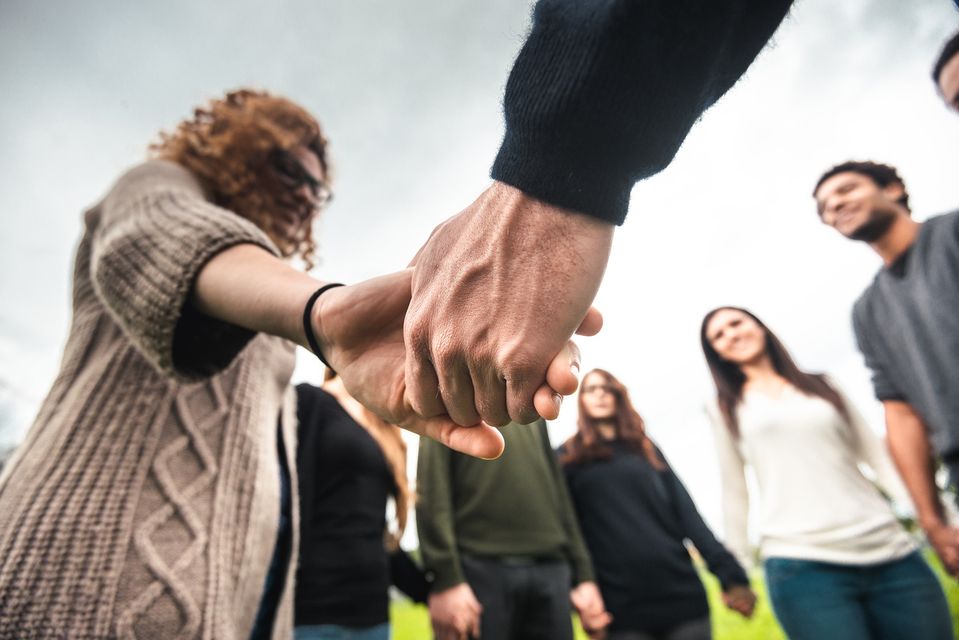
(838, 564)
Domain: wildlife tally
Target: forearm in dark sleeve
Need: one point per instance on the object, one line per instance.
(407, 576)
(604, 92)
(579, 557)
(434, 515)
(720, 561)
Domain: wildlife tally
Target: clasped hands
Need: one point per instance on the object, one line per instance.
(477, 332)
(455, 612)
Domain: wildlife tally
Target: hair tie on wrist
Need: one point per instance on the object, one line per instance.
(308, 321)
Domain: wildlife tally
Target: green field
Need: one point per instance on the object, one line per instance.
(411, 622)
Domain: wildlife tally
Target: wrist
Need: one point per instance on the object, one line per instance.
(316, 338)
(932, 523)
(517, 201)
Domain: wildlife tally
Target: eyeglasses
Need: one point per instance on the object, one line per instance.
(294, 175)
(594, 388)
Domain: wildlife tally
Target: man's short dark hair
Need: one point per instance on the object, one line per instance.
(882, 174)
(949, 50)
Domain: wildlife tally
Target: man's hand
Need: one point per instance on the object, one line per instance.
(945, 541)
(908, 439)
(497, 292)
(360, 330)
(741, 599)
(455, 613)
(588, 602)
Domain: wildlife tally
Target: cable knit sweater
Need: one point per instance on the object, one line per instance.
(144, 501)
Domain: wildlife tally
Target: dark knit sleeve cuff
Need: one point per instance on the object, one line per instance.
(446, 574)
(602, 94)
(732, 575)
(561, 179)
(583, 571)
(152, 235)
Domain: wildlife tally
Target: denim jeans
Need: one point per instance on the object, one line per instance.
(897, 600)
(337, 632)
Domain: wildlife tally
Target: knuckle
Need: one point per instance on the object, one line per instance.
(524, 413)
(496, 418)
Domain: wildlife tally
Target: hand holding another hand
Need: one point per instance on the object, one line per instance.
(588, 602)
(360, 330)
(455, 613)
(945, 541)
(497, 292)
(741, 599)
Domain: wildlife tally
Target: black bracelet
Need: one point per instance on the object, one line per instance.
(308, 321)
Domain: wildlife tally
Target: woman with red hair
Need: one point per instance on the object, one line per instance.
(635, 515)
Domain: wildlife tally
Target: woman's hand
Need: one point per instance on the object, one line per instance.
(741, 599)
(360, 331)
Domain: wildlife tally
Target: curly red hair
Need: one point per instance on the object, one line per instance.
(229, 145)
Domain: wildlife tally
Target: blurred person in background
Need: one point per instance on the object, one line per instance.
(152, 495)
(945, 72)
(838, 563)
(907, 327)
(349, 464)
(501, 540)
(636, 515)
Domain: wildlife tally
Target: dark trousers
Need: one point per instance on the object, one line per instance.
(522, 599)
(693, 630)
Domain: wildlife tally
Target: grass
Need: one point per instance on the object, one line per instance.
(411, 622)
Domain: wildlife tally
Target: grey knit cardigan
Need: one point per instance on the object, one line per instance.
(144, 500)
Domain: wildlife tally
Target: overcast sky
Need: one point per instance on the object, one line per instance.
(409, 94)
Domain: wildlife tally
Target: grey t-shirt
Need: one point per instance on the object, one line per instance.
(907, 327)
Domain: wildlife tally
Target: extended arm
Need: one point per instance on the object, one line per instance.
(909, 445)
(732, 470)
(454, 609)
(720, 561)
(601, 95)
(870, 450)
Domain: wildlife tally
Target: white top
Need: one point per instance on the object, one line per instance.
(815, 502)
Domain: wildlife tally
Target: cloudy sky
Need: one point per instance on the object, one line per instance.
(409, 93)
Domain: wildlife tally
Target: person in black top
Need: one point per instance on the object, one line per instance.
(636, 515)
(349, 464)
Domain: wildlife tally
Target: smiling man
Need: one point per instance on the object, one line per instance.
(945, 73)
(907, 327)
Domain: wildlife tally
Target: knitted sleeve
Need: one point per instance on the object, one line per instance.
(603, 92)
(150, 237)
(720, 560)
(732, 471)
(869, 449)
(882, 384)
(579, 558)
(434, 515)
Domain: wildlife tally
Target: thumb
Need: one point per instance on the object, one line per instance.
(479, 441)
(591, 324)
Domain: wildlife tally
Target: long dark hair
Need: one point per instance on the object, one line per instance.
(587, 445)
(730, 379)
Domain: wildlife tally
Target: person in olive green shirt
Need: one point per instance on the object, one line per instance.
(502, 542)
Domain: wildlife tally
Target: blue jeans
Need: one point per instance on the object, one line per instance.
(897, 600)
(337, 632)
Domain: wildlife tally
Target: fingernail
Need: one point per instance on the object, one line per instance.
(558, 401)
(575, 369)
